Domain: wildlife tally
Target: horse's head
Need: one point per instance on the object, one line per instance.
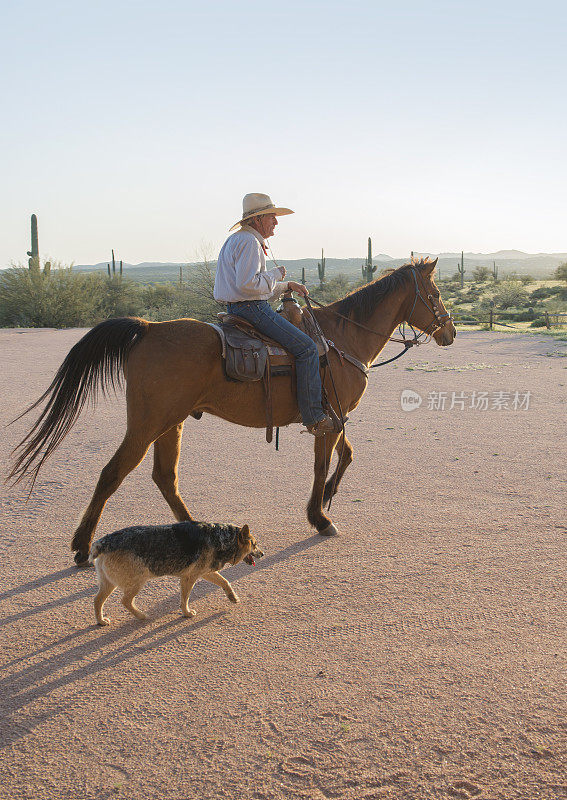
(426, 310)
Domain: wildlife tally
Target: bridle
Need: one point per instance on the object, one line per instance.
(438, 321)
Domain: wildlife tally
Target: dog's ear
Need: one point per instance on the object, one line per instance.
(243, 534)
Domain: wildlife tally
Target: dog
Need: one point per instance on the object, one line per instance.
(128, 558)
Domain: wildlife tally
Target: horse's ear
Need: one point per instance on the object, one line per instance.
(430, 266)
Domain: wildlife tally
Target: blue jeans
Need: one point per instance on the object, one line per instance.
(303, 348)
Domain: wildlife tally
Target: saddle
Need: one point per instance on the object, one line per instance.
(249, 355)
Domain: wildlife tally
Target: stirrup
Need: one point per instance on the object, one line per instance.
(330, 411)
(324, 426)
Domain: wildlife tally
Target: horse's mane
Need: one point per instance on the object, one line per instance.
(360, 303)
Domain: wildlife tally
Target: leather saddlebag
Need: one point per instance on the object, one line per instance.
(246, 358)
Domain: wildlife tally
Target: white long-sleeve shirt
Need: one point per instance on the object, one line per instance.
(241, 270)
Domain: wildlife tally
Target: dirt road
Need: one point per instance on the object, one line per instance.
(420, 654)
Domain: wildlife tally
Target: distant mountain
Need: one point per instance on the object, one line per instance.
(539, 265)
(504, 255)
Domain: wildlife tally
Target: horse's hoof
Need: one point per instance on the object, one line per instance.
(81, 560)
(330, 530)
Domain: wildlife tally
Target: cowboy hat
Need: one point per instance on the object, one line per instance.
(255, 204)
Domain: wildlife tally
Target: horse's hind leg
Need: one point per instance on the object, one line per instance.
(127, 457)
(166, 460)
(345, 460)
(324, 446)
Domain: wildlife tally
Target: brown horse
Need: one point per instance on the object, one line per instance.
(174, 370)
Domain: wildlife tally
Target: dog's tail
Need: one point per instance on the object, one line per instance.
(95, 363)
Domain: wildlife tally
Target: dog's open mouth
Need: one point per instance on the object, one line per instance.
(251, 557)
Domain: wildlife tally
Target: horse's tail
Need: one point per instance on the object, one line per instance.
(96, 362)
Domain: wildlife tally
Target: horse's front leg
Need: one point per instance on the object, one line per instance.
(324, 446)
(345, 460)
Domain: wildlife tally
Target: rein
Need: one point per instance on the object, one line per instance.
(438, 321)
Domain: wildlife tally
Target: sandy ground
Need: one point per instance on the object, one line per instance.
(420, 654)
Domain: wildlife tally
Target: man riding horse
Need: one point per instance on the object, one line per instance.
(245, 285)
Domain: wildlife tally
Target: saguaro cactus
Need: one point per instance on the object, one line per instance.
(321, 268)
(494, 271)
(303, 275)
(33, 262)
(367, 269)
(112, 272)
(47, 269)
(461, 269)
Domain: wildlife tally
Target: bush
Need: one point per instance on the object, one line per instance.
(121, 298)
(510, 294)
(561, 272)
(470, 295)
(481, 274)
(545, 291)
(332, 289)
(67, 299)
(519, 316)
(160, 301)
(63, 299)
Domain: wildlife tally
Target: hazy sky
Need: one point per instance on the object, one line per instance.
(431, 126)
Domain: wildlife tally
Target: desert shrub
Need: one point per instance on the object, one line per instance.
(544, 291)
(560, 273)
(332, 289)
(518, 316)
(121, 298)
(510, 294)
(481, 274)
(199, 300)
(66, 299)
(471, 294)
(63, 299)
(160, 301)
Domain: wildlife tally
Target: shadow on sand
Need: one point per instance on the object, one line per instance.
(65, 665)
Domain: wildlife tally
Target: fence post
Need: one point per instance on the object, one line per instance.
(491, 313)
(547, 323)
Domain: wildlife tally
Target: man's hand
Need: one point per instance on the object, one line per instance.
(297, 287)
(282, 270)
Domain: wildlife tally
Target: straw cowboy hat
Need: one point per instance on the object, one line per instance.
(255, 204)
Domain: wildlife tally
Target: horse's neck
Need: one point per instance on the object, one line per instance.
(359, 341)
